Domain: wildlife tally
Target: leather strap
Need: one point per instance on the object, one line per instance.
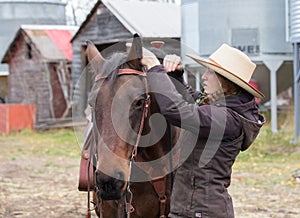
(126, 71)
(160, 185)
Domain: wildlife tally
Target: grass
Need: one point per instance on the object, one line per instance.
(58, 142)
(272, 157)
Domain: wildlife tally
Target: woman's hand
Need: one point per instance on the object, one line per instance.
(172, 63)
(149, 60)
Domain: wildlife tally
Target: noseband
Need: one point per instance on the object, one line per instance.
(158, 183)
(128, 206)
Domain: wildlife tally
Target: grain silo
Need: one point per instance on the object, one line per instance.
(256, 27)
(293, 34)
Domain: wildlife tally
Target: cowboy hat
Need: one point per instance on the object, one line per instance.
(232, 64)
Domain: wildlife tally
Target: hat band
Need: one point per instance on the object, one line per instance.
(212, 60)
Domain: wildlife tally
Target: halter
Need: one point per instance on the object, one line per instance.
(121, 72)
(159, 184)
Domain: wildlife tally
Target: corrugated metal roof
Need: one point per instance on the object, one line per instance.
(52, 41)
(149, 19)
(62, 38)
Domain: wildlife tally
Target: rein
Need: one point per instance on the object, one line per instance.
(159, 183)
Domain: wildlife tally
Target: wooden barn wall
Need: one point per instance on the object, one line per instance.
(28, 79)
(102, 28)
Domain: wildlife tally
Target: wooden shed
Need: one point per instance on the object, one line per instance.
(114, 22)
(39, 59)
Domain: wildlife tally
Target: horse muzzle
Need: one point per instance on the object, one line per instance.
(110, 188)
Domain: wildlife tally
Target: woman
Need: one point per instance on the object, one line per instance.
(224, 121)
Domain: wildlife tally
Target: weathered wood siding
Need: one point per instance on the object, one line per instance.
(102, 28)
(28, 79)
(34, 80)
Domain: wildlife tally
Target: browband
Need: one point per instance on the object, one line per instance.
(121, 72)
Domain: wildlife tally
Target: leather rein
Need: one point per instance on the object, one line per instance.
(159, 183)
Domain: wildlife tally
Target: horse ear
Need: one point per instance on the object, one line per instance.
(94, 56)
(136, 50)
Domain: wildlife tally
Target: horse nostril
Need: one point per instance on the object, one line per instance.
(102, 178)
(110, 187)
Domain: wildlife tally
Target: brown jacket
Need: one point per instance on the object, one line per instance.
(215, 134)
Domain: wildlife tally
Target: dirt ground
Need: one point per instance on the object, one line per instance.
(38, 187)
(33, 186)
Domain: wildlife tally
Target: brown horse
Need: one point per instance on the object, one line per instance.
(132, 172)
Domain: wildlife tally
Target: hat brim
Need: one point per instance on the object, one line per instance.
(227, 74)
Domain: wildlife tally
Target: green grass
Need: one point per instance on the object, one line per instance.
(273, 158)
(269, 146)
(58, 142)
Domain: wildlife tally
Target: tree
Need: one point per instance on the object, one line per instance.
(77, 10)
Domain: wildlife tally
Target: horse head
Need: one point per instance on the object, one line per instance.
(126, 122)
(117, 101)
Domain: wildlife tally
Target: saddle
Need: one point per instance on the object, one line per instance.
(86, 170)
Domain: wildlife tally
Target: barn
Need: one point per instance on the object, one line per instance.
(114, 22)
(39, 59)
(17, 12)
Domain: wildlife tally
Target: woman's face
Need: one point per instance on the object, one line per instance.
(210, 82)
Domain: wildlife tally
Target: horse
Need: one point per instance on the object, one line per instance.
(132, 173)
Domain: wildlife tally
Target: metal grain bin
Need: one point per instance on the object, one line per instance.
(256, 27)
(14, 13)
(294, 15)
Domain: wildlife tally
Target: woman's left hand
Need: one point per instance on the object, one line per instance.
(149, 60)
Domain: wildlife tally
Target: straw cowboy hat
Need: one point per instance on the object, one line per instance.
(233, 65)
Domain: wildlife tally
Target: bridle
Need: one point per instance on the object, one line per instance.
(159, 183)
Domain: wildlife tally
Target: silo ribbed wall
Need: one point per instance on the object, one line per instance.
(295, 20)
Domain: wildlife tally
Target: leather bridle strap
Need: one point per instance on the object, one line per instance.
(128, 206)
(141, 128)
(160, 186)
(125, 71)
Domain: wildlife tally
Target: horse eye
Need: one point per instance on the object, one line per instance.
(139, 102)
